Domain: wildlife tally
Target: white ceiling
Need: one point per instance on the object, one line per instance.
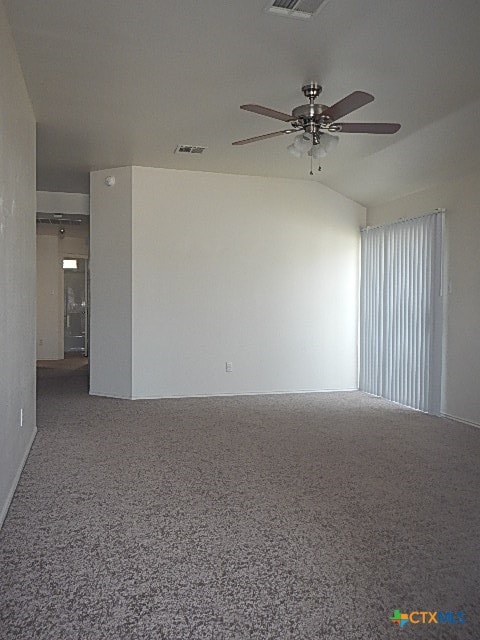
(120, 82)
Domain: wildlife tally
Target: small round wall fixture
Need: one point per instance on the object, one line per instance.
(110, 181)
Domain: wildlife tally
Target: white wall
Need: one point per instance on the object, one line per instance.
(60, 202)
(17, 268)
(49, 300)
(110, 354)
(51, 249)
(461, 198)
(257, 271)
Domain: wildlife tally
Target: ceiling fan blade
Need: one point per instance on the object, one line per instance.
(350, 103)
(264, 137)
(367, 127)
(265, 111)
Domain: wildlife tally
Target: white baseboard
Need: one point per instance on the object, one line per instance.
(11, 493)
(104, 394)
(469, 422)
(220, 394)
(242, 393)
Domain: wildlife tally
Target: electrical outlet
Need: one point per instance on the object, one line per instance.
(228, 367)
(40, 342)
(21, 417)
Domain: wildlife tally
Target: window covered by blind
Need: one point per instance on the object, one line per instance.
(401, 311)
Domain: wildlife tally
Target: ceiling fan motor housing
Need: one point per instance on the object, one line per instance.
(310, 118)
(308, 111)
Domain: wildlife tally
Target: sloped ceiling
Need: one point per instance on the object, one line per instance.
(120, 82)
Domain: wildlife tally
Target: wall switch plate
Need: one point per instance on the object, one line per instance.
(228, 367)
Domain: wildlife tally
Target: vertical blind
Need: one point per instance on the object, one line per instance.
(402, 311)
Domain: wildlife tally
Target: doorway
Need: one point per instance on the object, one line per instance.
(75, 307)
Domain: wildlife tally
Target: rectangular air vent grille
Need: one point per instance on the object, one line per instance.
(295, 8)
(60, 221)
(188, 148)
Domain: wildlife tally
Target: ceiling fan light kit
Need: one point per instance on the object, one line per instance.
(303, 142)
(329, 142)
(317, 152)
(294, 151)
(316, 122)
(317, 145)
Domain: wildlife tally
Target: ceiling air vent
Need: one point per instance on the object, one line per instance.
(191, 149)
(303, 9)
(47, 218)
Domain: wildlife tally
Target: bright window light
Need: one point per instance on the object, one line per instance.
(70, 264)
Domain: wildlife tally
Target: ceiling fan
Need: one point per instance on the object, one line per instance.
(316, 122)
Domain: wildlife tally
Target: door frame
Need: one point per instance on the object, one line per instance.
(61, 310)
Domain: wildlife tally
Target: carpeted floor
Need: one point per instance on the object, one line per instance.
(266, 517)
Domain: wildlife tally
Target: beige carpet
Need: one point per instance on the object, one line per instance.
(268, 517)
